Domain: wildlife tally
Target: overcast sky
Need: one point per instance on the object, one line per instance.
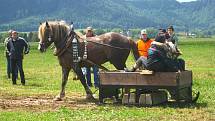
(185, 0)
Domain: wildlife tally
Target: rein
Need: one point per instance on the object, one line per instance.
(68, 42)
(120, 48)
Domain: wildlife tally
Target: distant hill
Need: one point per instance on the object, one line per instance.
(25, 15)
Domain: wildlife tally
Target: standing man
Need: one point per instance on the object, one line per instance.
(7, 55)
(16, 46)
(89, 33)
(173, 38)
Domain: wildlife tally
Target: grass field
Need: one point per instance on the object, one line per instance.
(43, 74)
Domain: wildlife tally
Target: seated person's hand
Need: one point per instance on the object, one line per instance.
(179, 51)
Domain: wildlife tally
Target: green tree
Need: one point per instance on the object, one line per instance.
(35, 37)
(30, 35)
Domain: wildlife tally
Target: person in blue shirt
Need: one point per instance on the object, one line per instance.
(89, 33)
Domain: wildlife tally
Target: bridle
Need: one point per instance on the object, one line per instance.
(49, 38)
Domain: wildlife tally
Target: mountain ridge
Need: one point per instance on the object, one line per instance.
(25, 15)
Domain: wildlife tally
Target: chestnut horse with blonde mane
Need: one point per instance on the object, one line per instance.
(112, 47)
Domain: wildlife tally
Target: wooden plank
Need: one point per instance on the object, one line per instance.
(128, 79)
(146, 72)
(155, 79)
(110, 78)
(158, 79)
(185, 78)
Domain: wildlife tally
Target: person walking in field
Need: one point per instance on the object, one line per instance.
(8, 57)
(16, 47)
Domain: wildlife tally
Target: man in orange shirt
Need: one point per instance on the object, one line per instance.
(143, 44)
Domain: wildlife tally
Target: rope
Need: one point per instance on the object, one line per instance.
(109, 45)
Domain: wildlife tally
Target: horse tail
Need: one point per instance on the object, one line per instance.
(134, 48)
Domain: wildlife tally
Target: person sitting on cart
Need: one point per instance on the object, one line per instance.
(160, 58)
(143, 44)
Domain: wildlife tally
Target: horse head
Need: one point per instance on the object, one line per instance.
(50, 32)
(45, 35)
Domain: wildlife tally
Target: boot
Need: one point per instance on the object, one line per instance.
(133, 69)
(8, 76)
(14, 82)
(23, 83)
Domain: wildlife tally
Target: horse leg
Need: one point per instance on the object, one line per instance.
(119, 66)
(119, 62)
(83, 82)
(65, 73)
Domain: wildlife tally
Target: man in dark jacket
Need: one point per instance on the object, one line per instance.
(7, 55)
(173, 38)
(16, 46)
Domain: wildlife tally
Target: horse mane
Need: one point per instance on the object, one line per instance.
(58, 29)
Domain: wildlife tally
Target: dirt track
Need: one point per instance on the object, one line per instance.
(44, 103)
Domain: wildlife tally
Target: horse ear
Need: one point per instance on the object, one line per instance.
(71, 26)
(47, 24)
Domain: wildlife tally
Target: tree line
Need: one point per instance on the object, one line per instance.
(133, 33)
(28, 36)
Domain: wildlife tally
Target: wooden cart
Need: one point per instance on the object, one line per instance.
(178, 83)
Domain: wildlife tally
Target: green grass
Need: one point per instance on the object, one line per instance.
(43, 75)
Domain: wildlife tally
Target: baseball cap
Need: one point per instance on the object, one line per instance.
(143, 31)
(89, 28)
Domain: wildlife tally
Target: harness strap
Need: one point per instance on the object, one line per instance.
(91, 62)
(68, 39)
(109, 45)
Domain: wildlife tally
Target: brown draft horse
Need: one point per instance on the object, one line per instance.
(112, 47)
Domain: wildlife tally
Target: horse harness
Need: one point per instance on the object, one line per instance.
(71, 39)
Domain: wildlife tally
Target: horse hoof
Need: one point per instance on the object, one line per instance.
(75, 78)
(57, 99)
(90, 98)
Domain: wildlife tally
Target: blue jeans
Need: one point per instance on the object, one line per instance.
(88, 76)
